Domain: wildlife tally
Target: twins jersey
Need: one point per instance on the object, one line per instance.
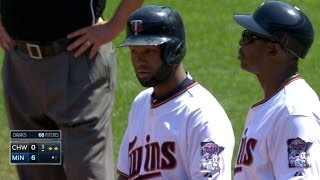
(185, 136)
(281, 138)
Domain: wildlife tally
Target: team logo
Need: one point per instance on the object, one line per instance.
(136, 26)
(297, 152)
(210, 157)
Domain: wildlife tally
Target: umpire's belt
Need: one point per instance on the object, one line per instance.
(41, 50)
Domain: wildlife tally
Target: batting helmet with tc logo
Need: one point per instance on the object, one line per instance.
(157, 25)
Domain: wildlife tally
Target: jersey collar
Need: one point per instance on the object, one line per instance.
(288, 81)
(184, 86)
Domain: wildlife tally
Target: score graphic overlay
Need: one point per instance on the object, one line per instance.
(35, 147)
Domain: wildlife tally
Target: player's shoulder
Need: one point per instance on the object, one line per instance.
(144, 93)
(300, 99)
(299, 90)
(143, 96)
(203, 100)
(201, 94)
(203, 107)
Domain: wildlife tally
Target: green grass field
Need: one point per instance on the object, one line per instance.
(212, 48)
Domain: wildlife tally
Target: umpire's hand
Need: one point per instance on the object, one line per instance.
(92, 37)
(103, 32)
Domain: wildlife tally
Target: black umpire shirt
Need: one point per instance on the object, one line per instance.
(48, 20)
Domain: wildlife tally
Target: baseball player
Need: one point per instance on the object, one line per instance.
(176, 128)
(281, 138)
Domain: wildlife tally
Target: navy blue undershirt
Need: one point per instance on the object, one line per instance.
(186, 82)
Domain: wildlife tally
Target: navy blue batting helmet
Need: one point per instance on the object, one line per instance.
(157, 25)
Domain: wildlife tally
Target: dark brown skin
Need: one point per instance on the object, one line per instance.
(272, 65)
(146, 60)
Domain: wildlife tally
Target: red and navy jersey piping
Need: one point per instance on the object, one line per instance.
(122, 174)
(183, 87)
(281, 87)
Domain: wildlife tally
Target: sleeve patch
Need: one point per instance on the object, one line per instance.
(298, 153)
(210, 157)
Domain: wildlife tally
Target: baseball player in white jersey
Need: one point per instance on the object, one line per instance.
(281, 138)
(176, 128)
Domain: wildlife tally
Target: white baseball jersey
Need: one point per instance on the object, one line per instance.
(281, 138)
(185, 136)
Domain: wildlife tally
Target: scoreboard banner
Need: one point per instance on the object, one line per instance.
(35, 147)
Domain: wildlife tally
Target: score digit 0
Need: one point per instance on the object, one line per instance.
(33, 147)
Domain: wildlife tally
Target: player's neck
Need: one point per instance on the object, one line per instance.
(167, 87)
(272, 85)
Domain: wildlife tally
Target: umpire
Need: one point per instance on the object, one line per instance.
(47, 87)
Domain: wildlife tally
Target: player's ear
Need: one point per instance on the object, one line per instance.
(274, 50)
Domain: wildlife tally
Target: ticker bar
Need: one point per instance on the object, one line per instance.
(35, 134)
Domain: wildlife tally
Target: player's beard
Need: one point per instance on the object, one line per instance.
(163, 74)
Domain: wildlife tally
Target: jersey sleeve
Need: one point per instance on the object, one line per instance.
(210, 143)
(123, 166)
(123, 159)
(295, 148)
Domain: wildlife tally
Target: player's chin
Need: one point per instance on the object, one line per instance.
(242, 60)
(146, 84)
(144, 81)
(245, 67)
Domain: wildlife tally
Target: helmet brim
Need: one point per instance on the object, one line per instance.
(248, 22)
(140, 40)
